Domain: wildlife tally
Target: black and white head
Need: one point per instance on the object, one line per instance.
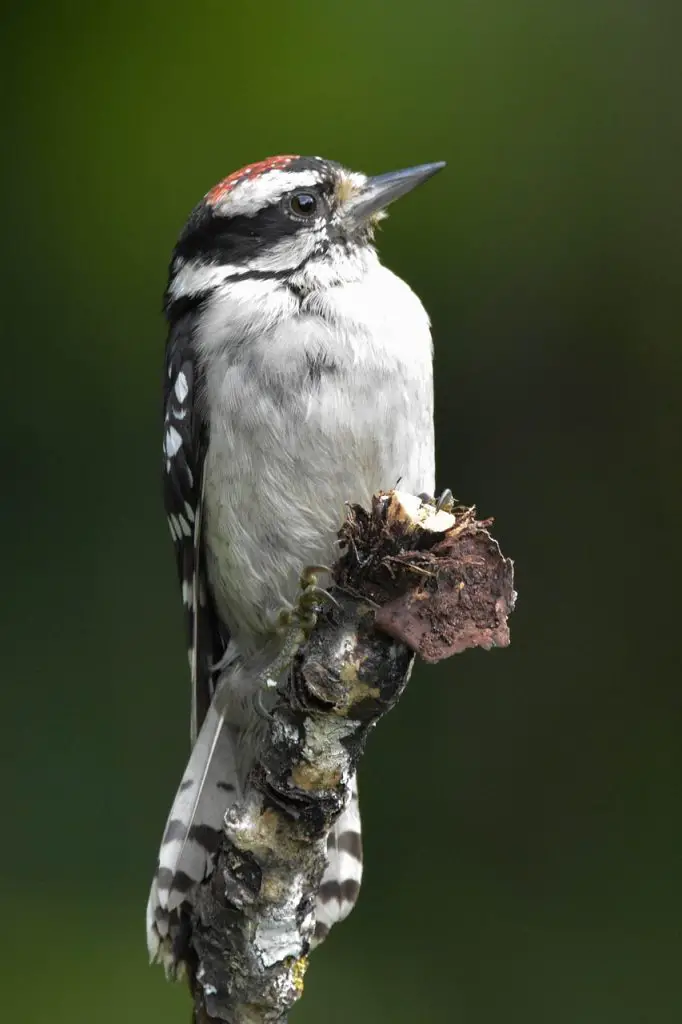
(282, 216)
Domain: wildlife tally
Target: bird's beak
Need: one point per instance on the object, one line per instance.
(379, 191)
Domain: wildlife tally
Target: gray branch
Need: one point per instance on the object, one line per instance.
(409, 580)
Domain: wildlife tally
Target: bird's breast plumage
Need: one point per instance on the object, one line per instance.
(328, 405)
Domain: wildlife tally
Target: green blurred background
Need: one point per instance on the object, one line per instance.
(522, 814)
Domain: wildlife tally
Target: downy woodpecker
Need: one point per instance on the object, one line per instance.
(298, 377)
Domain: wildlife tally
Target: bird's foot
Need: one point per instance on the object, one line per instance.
(293, 624)
(304, 613)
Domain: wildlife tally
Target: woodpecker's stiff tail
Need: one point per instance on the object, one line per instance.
(209, 786)
(340, 885)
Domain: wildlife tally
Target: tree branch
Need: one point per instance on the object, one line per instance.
(409, 579)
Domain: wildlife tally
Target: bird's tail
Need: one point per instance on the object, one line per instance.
(340, 885)
(209, 786)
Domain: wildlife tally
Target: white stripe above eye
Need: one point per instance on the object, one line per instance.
(249, 196)
(194, 277)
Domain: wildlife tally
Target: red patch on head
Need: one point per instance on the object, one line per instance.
(273, 163)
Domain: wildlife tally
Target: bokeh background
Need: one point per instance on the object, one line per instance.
(522, 814)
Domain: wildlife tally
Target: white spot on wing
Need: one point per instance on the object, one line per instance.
(172, 443)
(181, 387)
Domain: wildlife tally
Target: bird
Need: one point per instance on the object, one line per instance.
(298, 378)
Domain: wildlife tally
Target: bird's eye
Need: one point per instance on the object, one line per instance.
(303, 204)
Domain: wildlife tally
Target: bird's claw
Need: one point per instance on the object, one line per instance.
(296, 624)
(304, 612)
(309, 574)
(267, 683)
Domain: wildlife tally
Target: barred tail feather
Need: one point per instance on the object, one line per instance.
(209, 786)
(341, 880)
(192, 832)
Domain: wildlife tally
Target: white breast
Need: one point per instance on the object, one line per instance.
(312, 404)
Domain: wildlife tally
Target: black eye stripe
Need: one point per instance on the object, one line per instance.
(214, 237)
(232, 238)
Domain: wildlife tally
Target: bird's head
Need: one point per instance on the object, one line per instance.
(272, 218)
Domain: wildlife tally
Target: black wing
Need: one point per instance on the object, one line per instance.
(185, 440)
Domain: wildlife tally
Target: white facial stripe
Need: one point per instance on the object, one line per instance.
(193, 277)
(290, 252)
(246, 198)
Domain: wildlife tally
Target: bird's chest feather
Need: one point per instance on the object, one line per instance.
(310, 416)
(306, 417)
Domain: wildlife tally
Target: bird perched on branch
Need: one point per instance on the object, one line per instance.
(298, 377)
